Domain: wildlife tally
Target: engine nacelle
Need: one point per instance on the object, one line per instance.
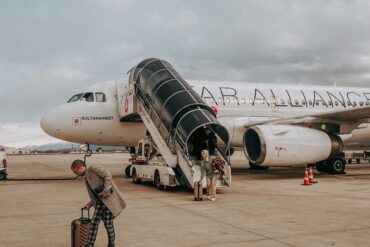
(283, 145)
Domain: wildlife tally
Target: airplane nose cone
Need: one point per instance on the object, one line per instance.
(50, 123)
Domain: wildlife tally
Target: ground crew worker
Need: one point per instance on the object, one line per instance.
(207, 169)
(104, 196)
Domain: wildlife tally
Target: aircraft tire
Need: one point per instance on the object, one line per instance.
(2, 176)
(337, 166)
(320, 166)
(257, 167)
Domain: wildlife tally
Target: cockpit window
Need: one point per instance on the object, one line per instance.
(89, 97)
(75, 97)
(100, 97)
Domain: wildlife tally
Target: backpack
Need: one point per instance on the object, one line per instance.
(218, 165)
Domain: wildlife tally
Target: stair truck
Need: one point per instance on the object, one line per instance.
(174, 114)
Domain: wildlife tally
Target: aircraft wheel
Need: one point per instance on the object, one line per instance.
(2, 175)
(127, 171)
(257, 167)
(320, 166)
(135, 179)
(337, 166)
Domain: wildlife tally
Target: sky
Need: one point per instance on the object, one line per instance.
(50, 49)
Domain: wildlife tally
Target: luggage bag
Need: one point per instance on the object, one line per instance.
(80, 229)
(198, 191)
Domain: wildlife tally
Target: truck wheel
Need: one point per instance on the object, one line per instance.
(157, 180)
(337, 166)
(127, 171)
(135, 179)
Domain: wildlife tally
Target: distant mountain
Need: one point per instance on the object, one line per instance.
(52, 144)
(35, 143)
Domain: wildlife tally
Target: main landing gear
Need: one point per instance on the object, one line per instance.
(335, 165)
(257, 167)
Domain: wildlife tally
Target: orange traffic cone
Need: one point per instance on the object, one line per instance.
(305, 180)
(310, 176)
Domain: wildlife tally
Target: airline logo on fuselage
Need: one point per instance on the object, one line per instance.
(97, 118)
(78, 120)
(285, 97)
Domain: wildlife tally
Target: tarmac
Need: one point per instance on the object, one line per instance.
(262, 208)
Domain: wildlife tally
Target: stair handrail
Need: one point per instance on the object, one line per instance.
(162, 129)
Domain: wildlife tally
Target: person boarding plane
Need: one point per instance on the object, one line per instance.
(276, 125)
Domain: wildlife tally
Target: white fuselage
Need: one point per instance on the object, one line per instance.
(237, 104)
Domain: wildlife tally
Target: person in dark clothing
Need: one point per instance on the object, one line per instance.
(199, 142)
(211, 142)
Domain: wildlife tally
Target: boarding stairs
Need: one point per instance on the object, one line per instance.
(171, 112)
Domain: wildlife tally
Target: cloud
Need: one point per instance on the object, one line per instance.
(116, 3)
(54, 48)
(69, 74)
(16, 132)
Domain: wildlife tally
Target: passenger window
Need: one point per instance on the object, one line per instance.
(361, 103)
(282, 101)
(336, 103)
(317, 102)
(75, 97)
(296, 101)
(100, 97)
(88, 97)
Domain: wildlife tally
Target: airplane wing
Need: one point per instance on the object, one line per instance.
(351, 118)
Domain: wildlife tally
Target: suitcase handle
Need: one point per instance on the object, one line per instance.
(82, 212)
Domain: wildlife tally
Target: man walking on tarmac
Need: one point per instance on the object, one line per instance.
(104, 196)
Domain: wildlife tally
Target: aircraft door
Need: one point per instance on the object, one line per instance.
(126, 101)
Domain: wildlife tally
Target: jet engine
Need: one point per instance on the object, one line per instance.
(276, 145)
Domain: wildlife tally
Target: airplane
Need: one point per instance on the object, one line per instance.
(275, 124)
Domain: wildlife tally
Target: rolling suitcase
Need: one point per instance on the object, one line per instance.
(80, 229)
(198, 191)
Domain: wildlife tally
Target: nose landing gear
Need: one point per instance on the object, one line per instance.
(88, 152)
